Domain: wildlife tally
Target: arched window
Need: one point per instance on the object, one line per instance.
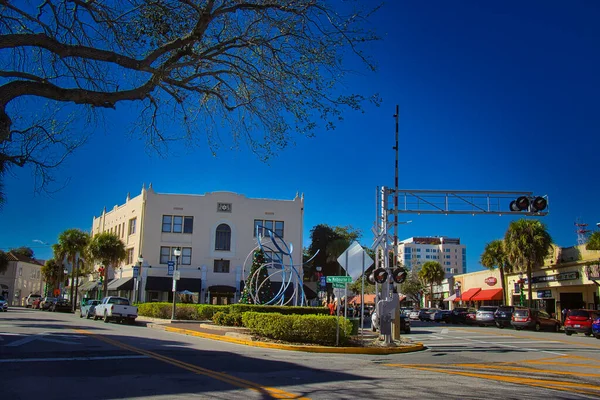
(223, 238)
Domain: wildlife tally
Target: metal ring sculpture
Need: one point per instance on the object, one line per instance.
(281, 251)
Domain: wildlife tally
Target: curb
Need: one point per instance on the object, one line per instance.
(307, 349)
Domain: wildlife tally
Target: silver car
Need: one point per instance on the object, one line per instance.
(87, 308)
(485, 316)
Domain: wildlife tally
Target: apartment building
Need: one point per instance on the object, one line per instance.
(215, 232)
(22, 277)
(451, 255)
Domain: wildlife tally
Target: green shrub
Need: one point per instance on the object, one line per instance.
(227, 319)
(286, 310)
(194, 312)
(318, 329)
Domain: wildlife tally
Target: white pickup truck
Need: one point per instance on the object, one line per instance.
(116, 309)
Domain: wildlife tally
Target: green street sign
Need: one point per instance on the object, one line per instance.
(339, 279)
(337, 285)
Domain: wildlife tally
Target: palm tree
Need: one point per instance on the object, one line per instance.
(3, 261)
(52, 270)
(106, 248)
(527, 243)
(59, 256)
(494, 256)
(73, 242)
(431, 273)
(593, 242)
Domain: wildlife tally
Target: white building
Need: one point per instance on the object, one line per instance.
(451, 255)
(215, 232)
(22, 277)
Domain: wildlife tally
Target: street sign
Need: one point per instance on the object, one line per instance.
(171, 267)
(355, 260)
(136, 272)
(323, 282)
(177, 275)
(337, 285)
(339, 279)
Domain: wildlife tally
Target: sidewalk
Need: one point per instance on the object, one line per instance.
(237, 335)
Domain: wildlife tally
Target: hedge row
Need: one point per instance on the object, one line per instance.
(317, 329)
(195, 312)
(286, 310)
(200, 312)
(227, 319)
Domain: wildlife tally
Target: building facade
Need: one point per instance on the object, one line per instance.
(451, 255)
(215, 232)
(22, 277)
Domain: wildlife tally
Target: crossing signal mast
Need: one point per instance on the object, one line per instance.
(582, 232)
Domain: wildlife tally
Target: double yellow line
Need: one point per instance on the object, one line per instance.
(242, 383)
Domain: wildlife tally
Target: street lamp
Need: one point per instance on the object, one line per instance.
(136, 287)
(176, 253)
(521, 281)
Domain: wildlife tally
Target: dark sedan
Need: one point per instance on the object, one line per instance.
(61, 305)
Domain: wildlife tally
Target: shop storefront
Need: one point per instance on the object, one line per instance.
(482, 288)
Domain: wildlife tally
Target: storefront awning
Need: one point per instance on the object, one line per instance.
(490, 294)
(121, 284)
(88, 286)
(450, 298)
(165, 284)
(468, 295)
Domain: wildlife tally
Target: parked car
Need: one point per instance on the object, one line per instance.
(471, 316)
(523, 318)
(485, 315)
(47, 303)
(503, 316)
(414, 314)
(404, 323)
(424, 314)
(596, 328)
(87, 308)
(30, 299)
(36, 303)
(459, 314)
(580, 321)
(61, 304)
(442, 316)
(115, 309)
(3, 304)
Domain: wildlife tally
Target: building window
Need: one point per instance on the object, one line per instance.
(130, 255)
(276, 258)
(122, 230)
(166, 223)
(188, 225)
(223, 238)
(221, 266)
(177, 224)
(132, 223)
(165, 254)
(186, 256)
(263, 225)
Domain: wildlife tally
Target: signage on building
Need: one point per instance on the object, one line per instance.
(563, 276)
(544, 294)
(593, 271)
(491, 281)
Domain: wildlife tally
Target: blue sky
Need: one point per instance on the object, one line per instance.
(500, 96)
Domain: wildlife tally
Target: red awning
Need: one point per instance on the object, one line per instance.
(491, 294)
(467, 296)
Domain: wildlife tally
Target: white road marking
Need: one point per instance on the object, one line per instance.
(444, 331)
(41, 337)
(15, 360)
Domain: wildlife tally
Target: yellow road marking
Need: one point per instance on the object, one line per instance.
(560, 363)
(522, 369)
(273, 392)
(572, 387)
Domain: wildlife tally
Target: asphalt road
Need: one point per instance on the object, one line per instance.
(46, 355)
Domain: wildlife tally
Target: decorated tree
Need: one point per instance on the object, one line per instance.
(258, 283)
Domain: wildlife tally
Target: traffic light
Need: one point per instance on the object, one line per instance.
(380, 275)
(399, 275)
(539, 204)
(531, 204)
(520, 204)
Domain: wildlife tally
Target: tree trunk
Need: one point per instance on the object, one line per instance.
(74, 305)
(502, 285)
(72, 278)
(105, 283)
(529, 290)
(431, 295)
